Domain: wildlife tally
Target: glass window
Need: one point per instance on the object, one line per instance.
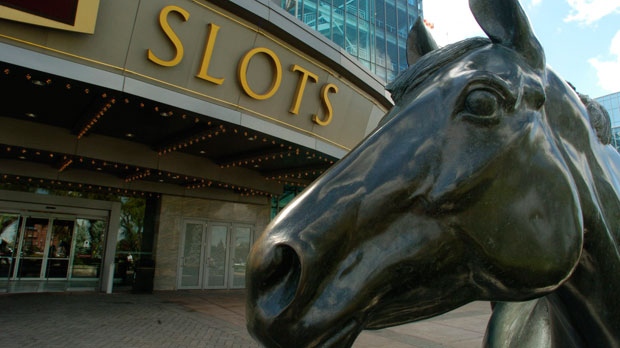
(217, 254)
(9, 227)
(240, 250)
(89, 244)
(390, 21)
(309, 14)
(325, 19)
(392, 51)
(351, 8)
(351, 39)
(364, 40)
(381, 71)
(33, 246)
(60, 248)
(374, 31)
(338, 22)
(403, 31)
(191, 259)
(363, 12)
(380, 14)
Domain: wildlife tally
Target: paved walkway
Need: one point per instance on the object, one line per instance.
(190, 319)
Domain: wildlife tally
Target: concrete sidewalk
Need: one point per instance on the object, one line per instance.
(214, 318)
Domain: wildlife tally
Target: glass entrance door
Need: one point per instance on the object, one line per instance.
(213, 255)
(42, 247)
(59, 250)
(44, 252)
(217, 256)
(191, 261)
(32, 248)
(241, 242)
(48, 246)
(9, 225)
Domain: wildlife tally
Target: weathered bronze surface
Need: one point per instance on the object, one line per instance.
(486, 181)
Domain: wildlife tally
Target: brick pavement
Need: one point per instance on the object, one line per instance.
(190, 319)
(117, 320)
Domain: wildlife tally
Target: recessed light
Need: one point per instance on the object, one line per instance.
(202, 152)
(129, 135)
(22, 157)
(31, 115)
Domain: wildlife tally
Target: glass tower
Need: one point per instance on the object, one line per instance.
(611, 102)
(373, 31)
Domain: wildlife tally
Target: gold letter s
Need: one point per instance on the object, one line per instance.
(327, 105)
(178, 46)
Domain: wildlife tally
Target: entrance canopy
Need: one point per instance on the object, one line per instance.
(69, 126)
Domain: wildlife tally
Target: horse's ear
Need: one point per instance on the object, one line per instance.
(419, 42)
(506, 23)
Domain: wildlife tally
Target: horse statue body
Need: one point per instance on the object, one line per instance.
(489, 179)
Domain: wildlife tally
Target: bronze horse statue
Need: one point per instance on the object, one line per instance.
(488, 180)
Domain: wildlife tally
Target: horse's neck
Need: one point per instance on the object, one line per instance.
(591, 300)
(583, 312)
(590, 296)
(542, 322)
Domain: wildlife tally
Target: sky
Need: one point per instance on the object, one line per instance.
(581, 38)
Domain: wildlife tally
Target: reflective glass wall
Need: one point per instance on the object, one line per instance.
(611, 102)
(374, 31)
(42, 252)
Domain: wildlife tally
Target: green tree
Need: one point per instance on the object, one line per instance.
(131, 224)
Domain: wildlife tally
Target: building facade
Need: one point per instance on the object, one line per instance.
(373, 31)
(611, 102)
(143, 141)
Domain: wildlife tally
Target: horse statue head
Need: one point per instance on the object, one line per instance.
(490, 179)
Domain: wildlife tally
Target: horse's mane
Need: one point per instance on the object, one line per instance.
(599, 118)
(600, 121)
(428, 64)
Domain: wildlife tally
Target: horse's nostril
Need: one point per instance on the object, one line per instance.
(280, 280)
(284, 267)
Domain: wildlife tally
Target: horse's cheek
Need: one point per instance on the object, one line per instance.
(514, 237)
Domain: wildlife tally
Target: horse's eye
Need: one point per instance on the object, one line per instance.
(481, 106)
(481, 103)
